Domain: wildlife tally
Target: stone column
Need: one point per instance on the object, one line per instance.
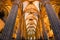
(45, 36)
(54, 21)
(19, 29)
(9, 25)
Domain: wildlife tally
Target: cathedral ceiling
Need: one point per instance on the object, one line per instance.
(9, 2)
(4, 3)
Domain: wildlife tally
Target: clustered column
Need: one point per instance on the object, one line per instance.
(9, 25)
(54, 21)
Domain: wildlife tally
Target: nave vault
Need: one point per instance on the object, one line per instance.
(29, 20)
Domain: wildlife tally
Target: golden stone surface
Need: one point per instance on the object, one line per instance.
(46, 21)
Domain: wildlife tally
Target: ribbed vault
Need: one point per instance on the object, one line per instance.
(32, 21)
